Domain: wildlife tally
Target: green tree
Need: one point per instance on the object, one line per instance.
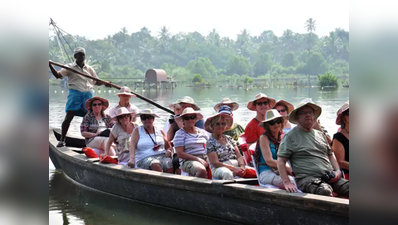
(262, 65)
(238, 64)
(202, 66)
(289, 59)
(327, 79)
(197, 79)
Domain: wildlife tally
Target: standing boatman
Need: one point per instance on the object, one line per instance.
(80, 89)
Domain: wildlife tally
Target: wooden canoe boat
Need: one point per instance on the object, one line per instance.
(232, 200)
(77, 142)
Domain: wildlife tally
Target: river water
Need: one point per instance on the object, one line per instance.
(70, 203)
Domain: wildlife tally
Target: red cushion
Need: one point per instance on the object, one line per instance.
(89, 152)
(249, 173)
(107, 159)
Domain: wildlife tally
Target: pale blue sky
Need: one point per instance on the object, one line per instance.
(95, 19)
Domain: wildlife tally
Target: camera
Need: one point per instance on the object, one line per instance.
(171, 119)
(328, 175)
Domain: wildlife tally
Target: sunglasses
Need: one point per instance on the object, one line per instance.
(147, 117)
(262, 103)
(273, 122)
(221, 124)
(95, 104)
(282, 110)
(124, 116)
(189, 117)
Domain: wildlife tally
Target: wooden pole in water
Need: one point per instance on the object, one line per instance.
(113, 85)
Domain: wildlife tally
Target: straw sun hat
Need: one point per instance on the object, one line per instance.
(226, 101)
(293, 118)
(259, 96)
(224, 111)
(105, 103)
(288, 105)
(270, 115)
(125, 91)
(343, 108)
(185, 99)
(189, 111)
(146, 112)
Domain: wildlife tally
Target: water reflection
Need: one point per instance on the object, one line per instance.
(70, 202)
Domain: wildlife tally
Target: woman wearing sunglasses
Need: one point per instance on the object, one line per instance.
(222, 150)
(121, 132)
(341, 140)
(267, 148)
(95, 124)
(148, 149)
(285, 108)
(190, 144)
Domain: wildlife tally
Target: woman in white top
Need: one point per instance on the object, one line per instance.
(148, 149)
(190, 144)
(284, 108)
(121, 133)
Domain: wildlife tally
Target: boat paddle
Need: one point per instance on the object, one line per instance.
(112, 85)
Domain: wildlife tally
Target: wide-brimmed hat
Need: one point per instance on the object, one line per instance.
(189, 100)
(188, 111)
(259, 96)
(270, 115)
(343, 108)
(122, 111)
(306, 102)
(288, 105)
(125, 91)
(146, 112)
(224, 111)
(226, 101)
(105, 103)
(172, 106)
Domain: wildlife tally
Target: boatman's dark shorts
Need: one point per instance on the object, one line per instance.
(76, 101)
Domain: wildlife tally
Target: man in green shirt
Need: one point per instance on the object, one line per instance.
(314, 165)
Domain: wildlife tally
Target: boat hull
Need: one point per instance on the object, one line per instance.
(227, 200)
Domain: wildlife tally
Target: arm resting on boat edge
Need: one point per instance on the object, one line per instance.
(339, 152)
(336, 167)
(134, 140)
(281, 163)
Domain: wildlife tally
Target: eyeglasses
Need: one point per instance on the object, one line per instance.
(95, 104)
(221, 124)
(262, 103)
(189, 117)
(282, 110)
(272, 122)
(146, 117)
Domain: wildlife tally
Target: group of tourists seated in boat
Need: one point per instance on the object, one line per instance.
(292, 150)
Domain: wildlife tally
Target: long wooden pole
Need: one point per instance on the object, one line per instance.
(113, 85)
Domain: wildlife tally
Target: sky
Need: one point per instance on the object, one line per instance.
(97, 19)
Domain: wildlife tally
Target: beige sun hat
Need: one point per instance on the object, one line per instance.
(259, 96)
(171, 106)
(189, 100)
(288, 105)
(224, 111)
(226, 101)
(306, 102)
(343, 108)
(122, 111)
(270, 115)
(146, 112)
(105, 103)
(188, 111)
(125, 91)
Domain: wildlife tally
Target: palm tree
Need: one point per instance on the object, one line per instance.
(310, 25)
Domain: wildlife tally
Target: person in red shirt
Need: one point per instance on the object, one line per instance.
(261, 104)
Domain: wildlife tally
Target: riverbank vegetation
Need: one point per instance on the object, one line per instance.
(289, 59)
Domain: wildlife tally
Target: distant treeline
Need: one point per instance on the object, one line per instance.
(183, 55)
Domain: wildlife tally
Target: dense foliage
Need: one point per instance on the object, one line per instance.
(129, 55)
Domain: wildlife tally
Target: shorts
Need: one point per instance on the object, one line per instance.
(76, 102)
(147, 162)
